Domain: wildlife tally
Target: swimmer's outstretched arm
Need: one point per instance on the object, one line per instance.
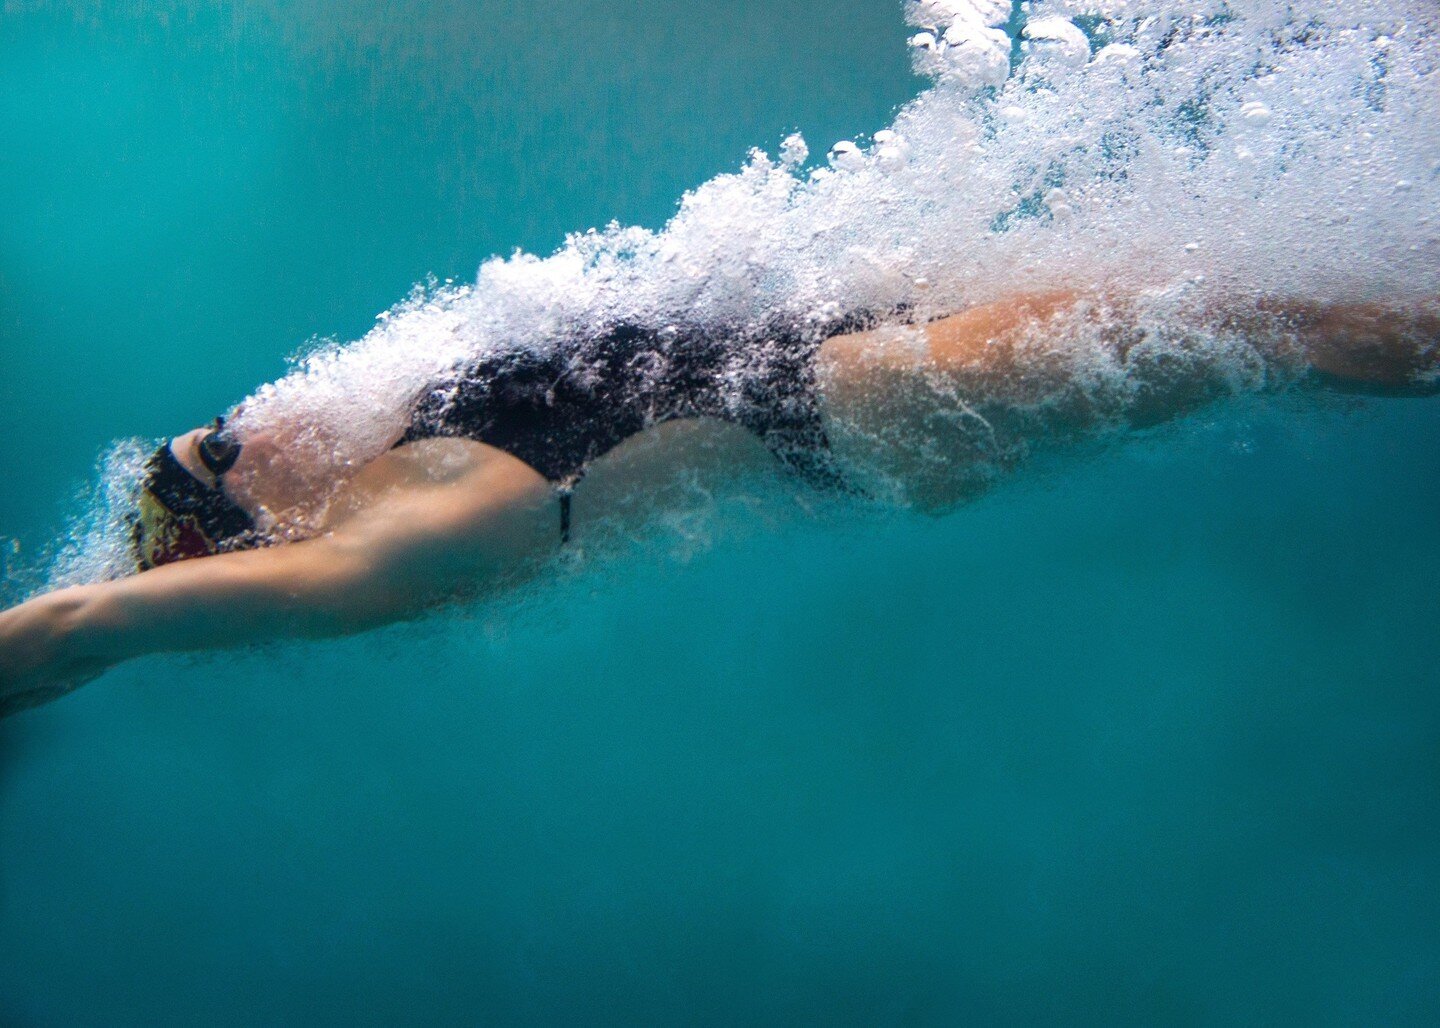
(401, 553)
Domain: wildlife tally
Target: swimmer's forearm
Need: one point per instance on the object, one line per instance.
(39, 658)
(304, 590)
(55, 642)
(400, 555)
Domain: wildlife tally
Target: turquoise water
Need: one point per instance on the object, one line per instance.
(1151, 735)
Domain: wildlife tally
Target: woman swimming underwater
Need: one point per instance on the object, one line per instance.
(504, 459)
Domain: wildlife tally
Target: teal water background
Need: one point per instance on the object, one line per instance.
(1154, 736)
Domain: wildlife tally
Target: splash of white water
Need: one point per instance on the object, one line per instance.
(1249, 148)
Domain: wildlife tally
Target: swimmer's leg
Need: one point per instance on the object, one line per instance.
(943, 407)
(1374, 348)
(923, 405)
(1370, 348)
(979, 341)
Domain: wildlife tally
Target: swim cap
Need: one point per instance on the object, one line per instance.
(180, 517)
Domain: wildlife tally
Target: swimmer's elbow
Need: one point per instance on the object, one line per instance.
(343, 587)
(311, 589)
(333, 590)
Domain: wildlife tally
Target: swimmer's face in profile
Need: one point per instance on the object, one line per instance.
(182, 511)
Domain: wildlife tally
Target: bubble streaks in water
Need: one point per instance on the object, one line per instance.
(1237, 148)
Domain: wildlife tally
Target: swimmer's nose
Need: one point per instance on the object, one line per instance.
(186, 450)
(185, 441)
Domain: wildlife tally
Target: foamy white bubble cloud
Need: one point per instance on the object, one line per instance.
(988, 183)
(1251, 148)
(943, 13)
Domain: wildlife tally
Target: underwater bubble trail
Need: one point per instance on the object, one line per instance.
(1166, 151)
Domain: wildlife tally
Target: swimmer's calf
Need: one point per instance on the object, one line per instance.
(1371, 348)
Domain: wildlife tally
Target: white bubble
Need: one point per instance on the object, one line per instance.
(1056, 42)
(1117, 54)
(948, 12)
(793, 151)
(846, 156)
(975, 56)
(1256, 114)
(891, 158)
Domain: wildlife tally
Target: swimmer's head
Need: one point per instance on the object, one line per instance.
(179, 515)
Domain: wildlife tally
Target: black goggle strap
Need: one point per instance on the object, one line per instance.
(180, 492)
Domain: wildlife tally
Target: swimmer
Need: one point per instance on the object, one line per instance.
(507, 458)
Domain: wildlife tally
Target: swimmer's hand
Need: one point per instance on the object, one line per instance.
(43, 650)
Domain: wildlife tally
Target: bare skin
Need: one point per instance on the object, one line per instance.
(449, 519)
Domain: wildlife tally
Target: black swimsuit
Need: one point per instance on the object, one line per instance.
(557, 411)
(560, 410)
